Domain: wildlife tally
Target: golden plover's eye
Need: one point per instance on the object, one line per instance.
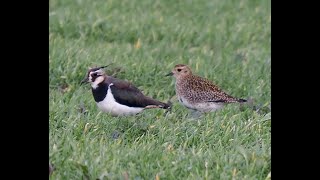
(179, 70)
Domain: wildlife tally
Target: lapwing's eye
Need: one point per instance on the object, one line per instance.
(179, 70)
(94, 74)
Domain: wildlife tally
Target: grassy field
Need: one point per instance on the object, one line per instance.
(226, 41)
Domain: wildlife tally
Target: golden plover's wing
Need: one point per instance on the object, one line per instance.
(205, 91)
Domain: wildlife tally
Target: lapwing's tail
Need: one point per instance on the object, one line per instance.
(164, 105)
(242, 100)
(167, 105)
(152, 103)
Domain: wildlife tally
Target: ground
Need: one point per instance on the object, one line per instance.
(226, 41)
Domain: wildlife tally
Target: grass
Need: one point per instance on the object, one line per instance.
(226, 41)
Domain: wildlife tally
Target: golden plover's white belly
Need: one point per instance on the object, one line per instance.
(203, 106)
(109, 105)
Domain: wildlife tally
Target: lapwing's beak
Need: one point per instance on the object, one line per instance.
(170, 74)
(85, 80)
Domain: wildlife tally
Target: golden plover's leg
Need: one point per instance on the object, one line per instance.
(194, 114)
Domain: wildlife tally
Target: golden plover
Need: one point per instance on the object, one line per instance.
(197, 93)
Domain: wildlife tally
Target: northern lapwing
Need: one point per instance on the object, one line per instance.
(197, 93)
(118, 97)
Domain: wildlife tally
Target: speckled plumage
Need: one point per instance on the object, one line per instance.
(198, 93)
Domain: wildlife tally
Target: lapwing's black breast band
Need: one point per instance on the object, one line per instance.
(100, 92)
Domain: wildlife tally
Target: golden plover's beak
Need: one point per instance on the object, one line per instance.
(169, 74)
(85, 80)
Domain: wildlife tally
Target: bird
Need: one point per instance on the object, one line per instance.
(197, 93)
(118, 97)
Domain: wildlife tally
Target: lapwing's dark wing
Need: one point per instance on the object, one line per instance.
(127, 94)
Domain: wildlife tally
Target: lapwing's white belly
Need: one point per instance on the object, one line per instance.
(202, 106)
(109, 105)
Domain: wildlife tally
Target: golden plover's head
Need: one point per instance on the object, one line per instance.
(180, 71)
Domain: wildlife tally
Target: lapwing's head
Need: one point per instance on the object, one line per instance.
(180, 71)
(95, 76)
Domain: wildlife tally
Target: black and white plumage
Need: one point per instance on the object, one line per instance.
(118, 97)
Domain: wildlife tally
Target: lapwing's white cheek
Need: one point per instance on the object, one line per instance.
(90, 77)
(97, 81)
